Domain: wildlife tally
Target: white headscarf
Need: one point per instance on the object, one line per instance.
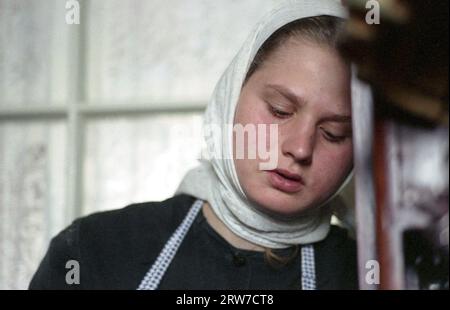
(216, 180)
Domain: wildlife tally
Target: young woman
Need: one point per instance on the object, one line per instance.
(231, 224)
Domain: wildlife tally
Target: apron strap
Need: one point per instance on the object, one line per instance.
(308, 268)
(159, 268)
(154, 276)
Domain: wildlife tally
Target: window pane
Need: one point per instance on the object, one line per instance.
(32, 196)
(33, 52)
(138, 159)
(172, 50)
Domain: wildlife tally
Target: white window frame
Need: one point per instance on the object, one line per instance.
(77, 110)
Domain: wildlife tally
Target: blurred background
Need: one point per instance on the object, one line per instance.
(105, 113)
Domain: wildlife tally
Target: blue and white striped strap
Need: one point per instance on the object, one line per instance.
(308, 268)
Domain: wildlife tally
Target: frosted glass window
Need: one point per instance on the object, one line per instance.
(32, 196)
(173, 50)
(141, 159)
(62, 154)
(34, 54)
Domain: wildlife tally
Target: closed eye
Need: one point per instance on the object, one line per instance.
(279, 113)
(333, 138)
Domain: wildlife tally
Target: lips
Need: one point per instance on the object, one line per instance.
(286, 181)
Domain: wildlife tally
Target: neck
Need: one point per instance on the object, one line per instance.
(226, 233)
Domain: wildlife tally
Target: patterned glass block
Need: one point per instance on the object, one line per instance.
(32, 196)
(173, 50)
(138, 159)
(34, 52)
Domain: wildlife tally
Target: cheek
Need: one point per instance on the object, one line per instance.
(251, 113)
(335, 163)
(247, 169)
(255, 112)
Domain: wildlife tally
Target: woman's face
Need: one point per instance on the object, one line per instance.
(305, 89)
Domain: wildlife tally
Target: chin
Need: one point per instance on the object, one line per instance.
(278, 203)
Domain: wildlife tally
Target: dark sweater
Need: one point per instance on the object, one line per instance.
(115, 249)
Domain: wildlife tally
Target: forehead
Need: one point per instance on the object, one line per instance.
(307, 55)
(314, 72)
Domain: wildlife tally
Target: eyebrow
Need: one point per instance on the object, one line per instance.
(337, 118)
(291, 96)
(287, 93)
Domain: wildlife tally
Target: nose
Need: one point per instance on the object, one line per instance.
(298, 143)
